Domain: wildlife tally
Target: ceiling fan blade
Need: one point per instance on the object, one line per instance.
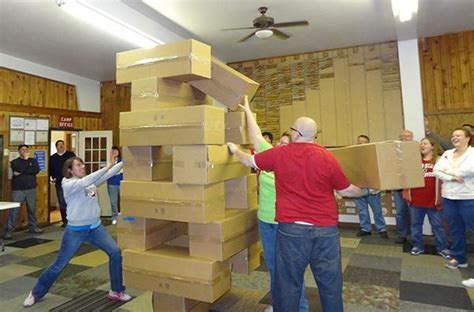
(291, 24)
(279, 34)
(246, 37)
(237, 28)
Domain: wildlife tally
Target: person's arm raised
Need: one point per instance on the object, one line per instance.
(254, 130)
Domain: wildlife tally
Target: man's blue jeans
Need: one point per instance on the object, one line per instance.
(362, 204)
(460, 215)
(268, 233)
(436, 220)
(297, 246)
(403, 213)
(69, 246)
(114, 192)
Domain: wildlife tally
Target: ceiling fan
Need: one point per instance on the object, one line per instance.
(266, 27)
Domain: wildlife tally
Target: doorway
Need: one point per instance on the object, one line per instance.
(71, 142)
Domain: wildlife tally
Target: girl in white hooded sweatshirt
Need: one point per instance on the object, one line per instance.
(84, 225)
(456, 169)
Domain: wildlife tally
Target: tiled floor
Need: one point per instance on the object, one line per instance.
(378, 276)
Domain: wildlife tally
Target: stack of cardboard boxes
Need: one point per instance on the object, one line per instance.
(188, 205)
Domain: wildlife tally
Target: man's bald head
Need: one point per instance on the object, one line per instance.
(304, 130)
(406, 135)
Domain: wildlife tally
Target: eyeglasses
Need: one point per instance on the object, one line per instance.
(296, 130)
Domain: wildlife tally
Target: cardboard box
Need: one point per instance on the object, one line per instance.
(171, 201)
(215, 250)
(207, 291)
(226, 85)
(384, 166)
(248, 260)
(242, 193)
(154, 93)
(147, 163)
(143, 234)
(205, 164)
(169, 303)
(202, 124)
(180, 241)
(183, 60)
(171, 270)
(236, 128)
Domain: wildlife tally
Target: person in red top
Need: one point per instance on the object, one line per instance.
(306, 175)
(427, 201)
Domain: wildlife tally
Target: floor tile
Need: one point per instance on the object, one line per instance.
(431, 275)
(372, 277)
(70, 270)
(312, 296)
(9, 250)
(372, 297)
(93, 300)
(376, 262)
(13, 271)
(25, 243)
(238, 299)
(6, 259)
(15, 287)
(255, 280)
(408, 306)
(378, 250)
(142, 303)
(438, 295)
(422, 261)
(49, 302)
(349, 242)
(91, 259)
(39, 250)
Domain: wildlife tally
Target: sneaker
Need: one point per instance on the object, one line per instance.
(36, 231)
(7, 236)
(383, 234)
(469, 283)
(415, 251)
(400, 240)
(29, 301)
(454, 264)
(114, 222)
(363, 233)
(118, 296)
(268, 309)
(445, 254)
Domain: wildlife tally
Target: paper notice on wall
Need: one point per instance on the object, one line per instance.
(17, 123)
(42, 124)
(30, 137)
(30, 124)
(17, 136)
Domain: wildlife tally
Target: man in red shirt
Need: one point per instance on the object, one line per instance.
(306, 175)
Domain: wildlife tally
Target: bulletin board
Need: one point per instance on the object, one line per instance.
(28, 130)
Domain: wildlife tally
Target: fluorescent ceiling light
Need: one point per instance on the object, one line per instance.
(404, 9)
(108, 23)
(264, 33)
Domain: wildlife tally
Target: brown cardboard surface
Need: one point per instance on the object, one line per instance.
(247, 260)
(236, 129)
(383, 166)
(201, 164)
(236, 222)
(154, 93)
(241, 193)
(181, 241)
(169, 303)
(147, 163)
(202, 291)
(209, 248)
(183, 60)
(171, 201)
(202, 124)
(226, 85)
(143, 234)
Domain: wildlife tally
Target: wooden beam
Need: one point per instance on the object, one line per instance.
(13, 108)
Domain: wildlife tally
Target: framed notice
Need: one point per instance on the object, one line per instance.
(29, 130)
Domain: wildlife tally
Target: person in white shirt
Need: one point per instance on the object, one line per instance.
(456, 169)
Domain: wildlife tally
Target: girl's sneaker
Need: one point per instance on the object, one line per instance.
(29, 301)
(119, 296)
(469, 283)
(415, 251)
(454, 264)
(445, 254)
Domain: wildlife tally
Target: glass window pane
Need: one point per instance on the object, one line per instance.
(103, 142)
(103, 155)
(88, 168)
(95, 143)
(88, 143)
(88, 156)
(95, 155)
(95, 166)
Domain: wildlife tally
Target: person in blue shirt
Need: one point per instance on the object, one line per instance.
(113, 184)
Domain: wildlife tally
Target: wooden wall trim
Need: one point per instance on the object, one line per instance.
(467, 110)
(47, 111)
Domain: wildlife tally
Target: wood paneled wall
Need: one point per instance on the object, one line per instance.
(447, 76)
(114, 99)
(23, 94)
(347, 91)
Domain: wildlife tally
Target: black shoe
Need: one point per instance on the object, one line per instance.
(400, 240)
(363, 233)
(383, 234)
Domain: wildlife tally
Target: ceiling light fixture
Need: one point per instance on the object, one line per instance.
(264, 33)
(108, 23)
(404, 9)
